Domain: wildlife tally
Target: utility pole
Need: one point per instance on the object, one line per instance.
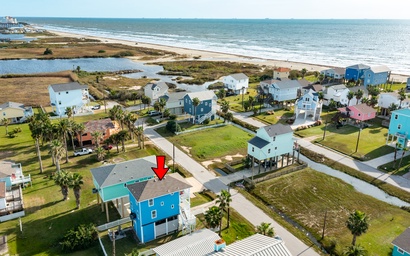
(324, 225)
(358, 138)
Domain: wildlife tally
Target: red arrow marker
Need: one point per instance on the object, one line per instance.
(160, 170)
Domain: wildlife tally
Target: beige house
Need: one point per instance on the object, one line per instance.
(15, 112)
(281, 73)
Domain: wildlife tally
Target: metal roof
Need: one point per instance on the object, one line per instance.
(258, 142)
(256, 245)
(113, 174)
(403, 241)
(8, 168)
(380, 69)
(239, 76)
(285, 84)
(203, 95)
(68, 87)
(11, 104)
(154, 188)
(359, 66)
(277, 129)
(198, 243)
(338, 87)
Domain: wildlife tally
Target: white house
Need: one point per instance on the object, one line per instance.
(238, 83)
(270, 143)
(338, 93)
(73, 95)
(309, 104)
(386, 99)
(282, 90)
(155, 89)
(337, 73)
(281, 73)
(15, 112)
(175, 102)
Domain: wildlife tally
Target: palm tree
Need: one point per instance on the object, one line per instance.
(224, 199)
(321, 77)
(350, 96)
(123, 136)
(6, 122)
(75, 182)
(57, 151)
(221, 93)
(213, 216)
(117, 114)
(358, 95)
(35, 126)
(162, 103)
(139, 131)
(265, 229)
(303, 72)
(114, 139)
(130, 120)
(225, 107)
(354, 250)
(63, 127)
(97, 137)
(251, 101)
(357, 223)
(320, 96)
(100, 153)
(63, 180)
(79, 129)
(402, 96)
(195, 103)
(72, 126)
(69, 112)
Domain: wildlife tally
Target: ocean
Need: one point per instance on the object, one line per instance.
(325, 42)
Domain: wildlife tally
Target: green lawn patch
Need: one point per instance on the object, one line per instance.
(393, 167)
(212, 143)
(305, 196)
(200, 198)
(276, 116)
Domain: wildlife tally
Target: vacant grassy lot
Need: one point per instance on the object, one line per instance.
(47, 217)
(211, 143)
(277, 116)
(371, 143)
(306, 196)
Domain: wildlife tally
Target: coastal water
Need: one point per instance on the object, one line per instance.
(326, 42)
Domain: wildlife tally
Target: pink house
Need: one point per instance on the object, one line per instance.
(361, 112)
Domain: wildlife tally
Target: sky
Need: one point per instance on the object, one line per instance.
(246, 9)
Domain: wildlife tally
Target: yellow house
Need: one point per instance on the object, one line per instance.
(15, 112)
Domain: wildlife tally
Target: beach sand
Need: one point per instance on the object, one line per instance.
(214, 56)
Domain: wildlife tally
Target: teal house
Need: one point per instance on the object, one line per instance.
(399, 128)
(402, 244)
(159, 207)
(111, 181)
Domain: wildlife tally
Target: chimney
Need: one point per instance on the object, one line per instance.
(219, 245)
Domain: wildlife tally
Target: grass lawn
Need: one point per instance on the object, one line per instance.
(200, 198)
(235, 102)
(391, 167)
(306, 195)
(279, 116)
(226, 140)
(47, 217)
(371, 144)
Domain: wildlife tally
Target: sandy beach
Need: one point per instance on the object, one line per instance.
(214, 56)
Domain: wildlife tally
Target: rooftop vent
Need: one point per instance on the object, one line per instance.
(219, 245)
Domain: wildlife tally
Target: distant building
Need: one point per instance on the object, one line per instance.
(356, 72)
(237, 83)
(160, 207)
(69, 95)
(106, 126)
(15, 112)
(336, 73)
(206, 108)
(399, 128)
(155, 90)
(368, 75)
(281, 73)
(401, 245)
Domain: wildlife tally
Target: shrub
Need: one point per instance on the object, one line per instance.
(48, 51)
(123, 54)
(173, 117)
(173, 126)
(81, 237)
(101, 51)
(206, 121)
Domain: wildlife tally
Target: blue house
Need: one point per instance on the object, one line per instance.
(111, 181)
(402, 244)
(376, 75)
(399, 128)
(159, 207)
(206, 108)
(356, 72)
(309, 104)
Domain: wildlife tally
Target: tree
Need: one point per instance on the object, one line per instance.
(123, 136)
(320, 96)
(146, 101)
(117, 114)
(79, 129)
(36, 127)
(75, 182)
(78, 69)
(321, 77)
(354, 250)
(129, 120)
(221, 93)
(100, 153)
(213, 216)
(229, 117)
(139, 131)
(350, 96)
(48, 51)
(6, 122)
(246, 106)
(358, 95)
(265, 229)
(402, 96)
(303, 72)
(225, 107)
(357, 223)
(162, 103)
(195, 103)
(114, 139)
(97, 137)
(62, 179)
(57, 151)
(63, 127)
(404, 150)
(251, 101)
(224, 200)
(69, 112)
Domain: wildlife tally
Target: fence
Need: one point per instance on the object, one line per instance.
(200, 128)
(277, 174)
(113, 224)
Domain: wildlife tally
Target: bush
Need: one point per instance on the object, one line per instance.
(48, 51)
(79, 238)
(206, 121)
(101, 51)
(173, 126)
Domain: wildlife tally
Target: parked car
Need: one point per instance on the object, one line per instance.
(107, 147)
(96, 107)
(82, 151)
(154, 113)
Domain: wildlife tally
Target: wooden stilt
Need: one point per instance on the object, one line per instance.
(106, 211)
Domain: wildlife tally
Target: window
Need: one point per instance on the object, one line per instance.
(274, 138)
(358, 114)
(66, 92)
(125, 185)
(400, 250)
(399, 127)
(59, 102)
(268, 151)
(151, 202)
(202, 110)
(153, 214)
(396, 117)
(276, 148)
(172, 206)
(172, 193)
(206, 103)
(162, 203)
(4, 113)
(253, 149)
